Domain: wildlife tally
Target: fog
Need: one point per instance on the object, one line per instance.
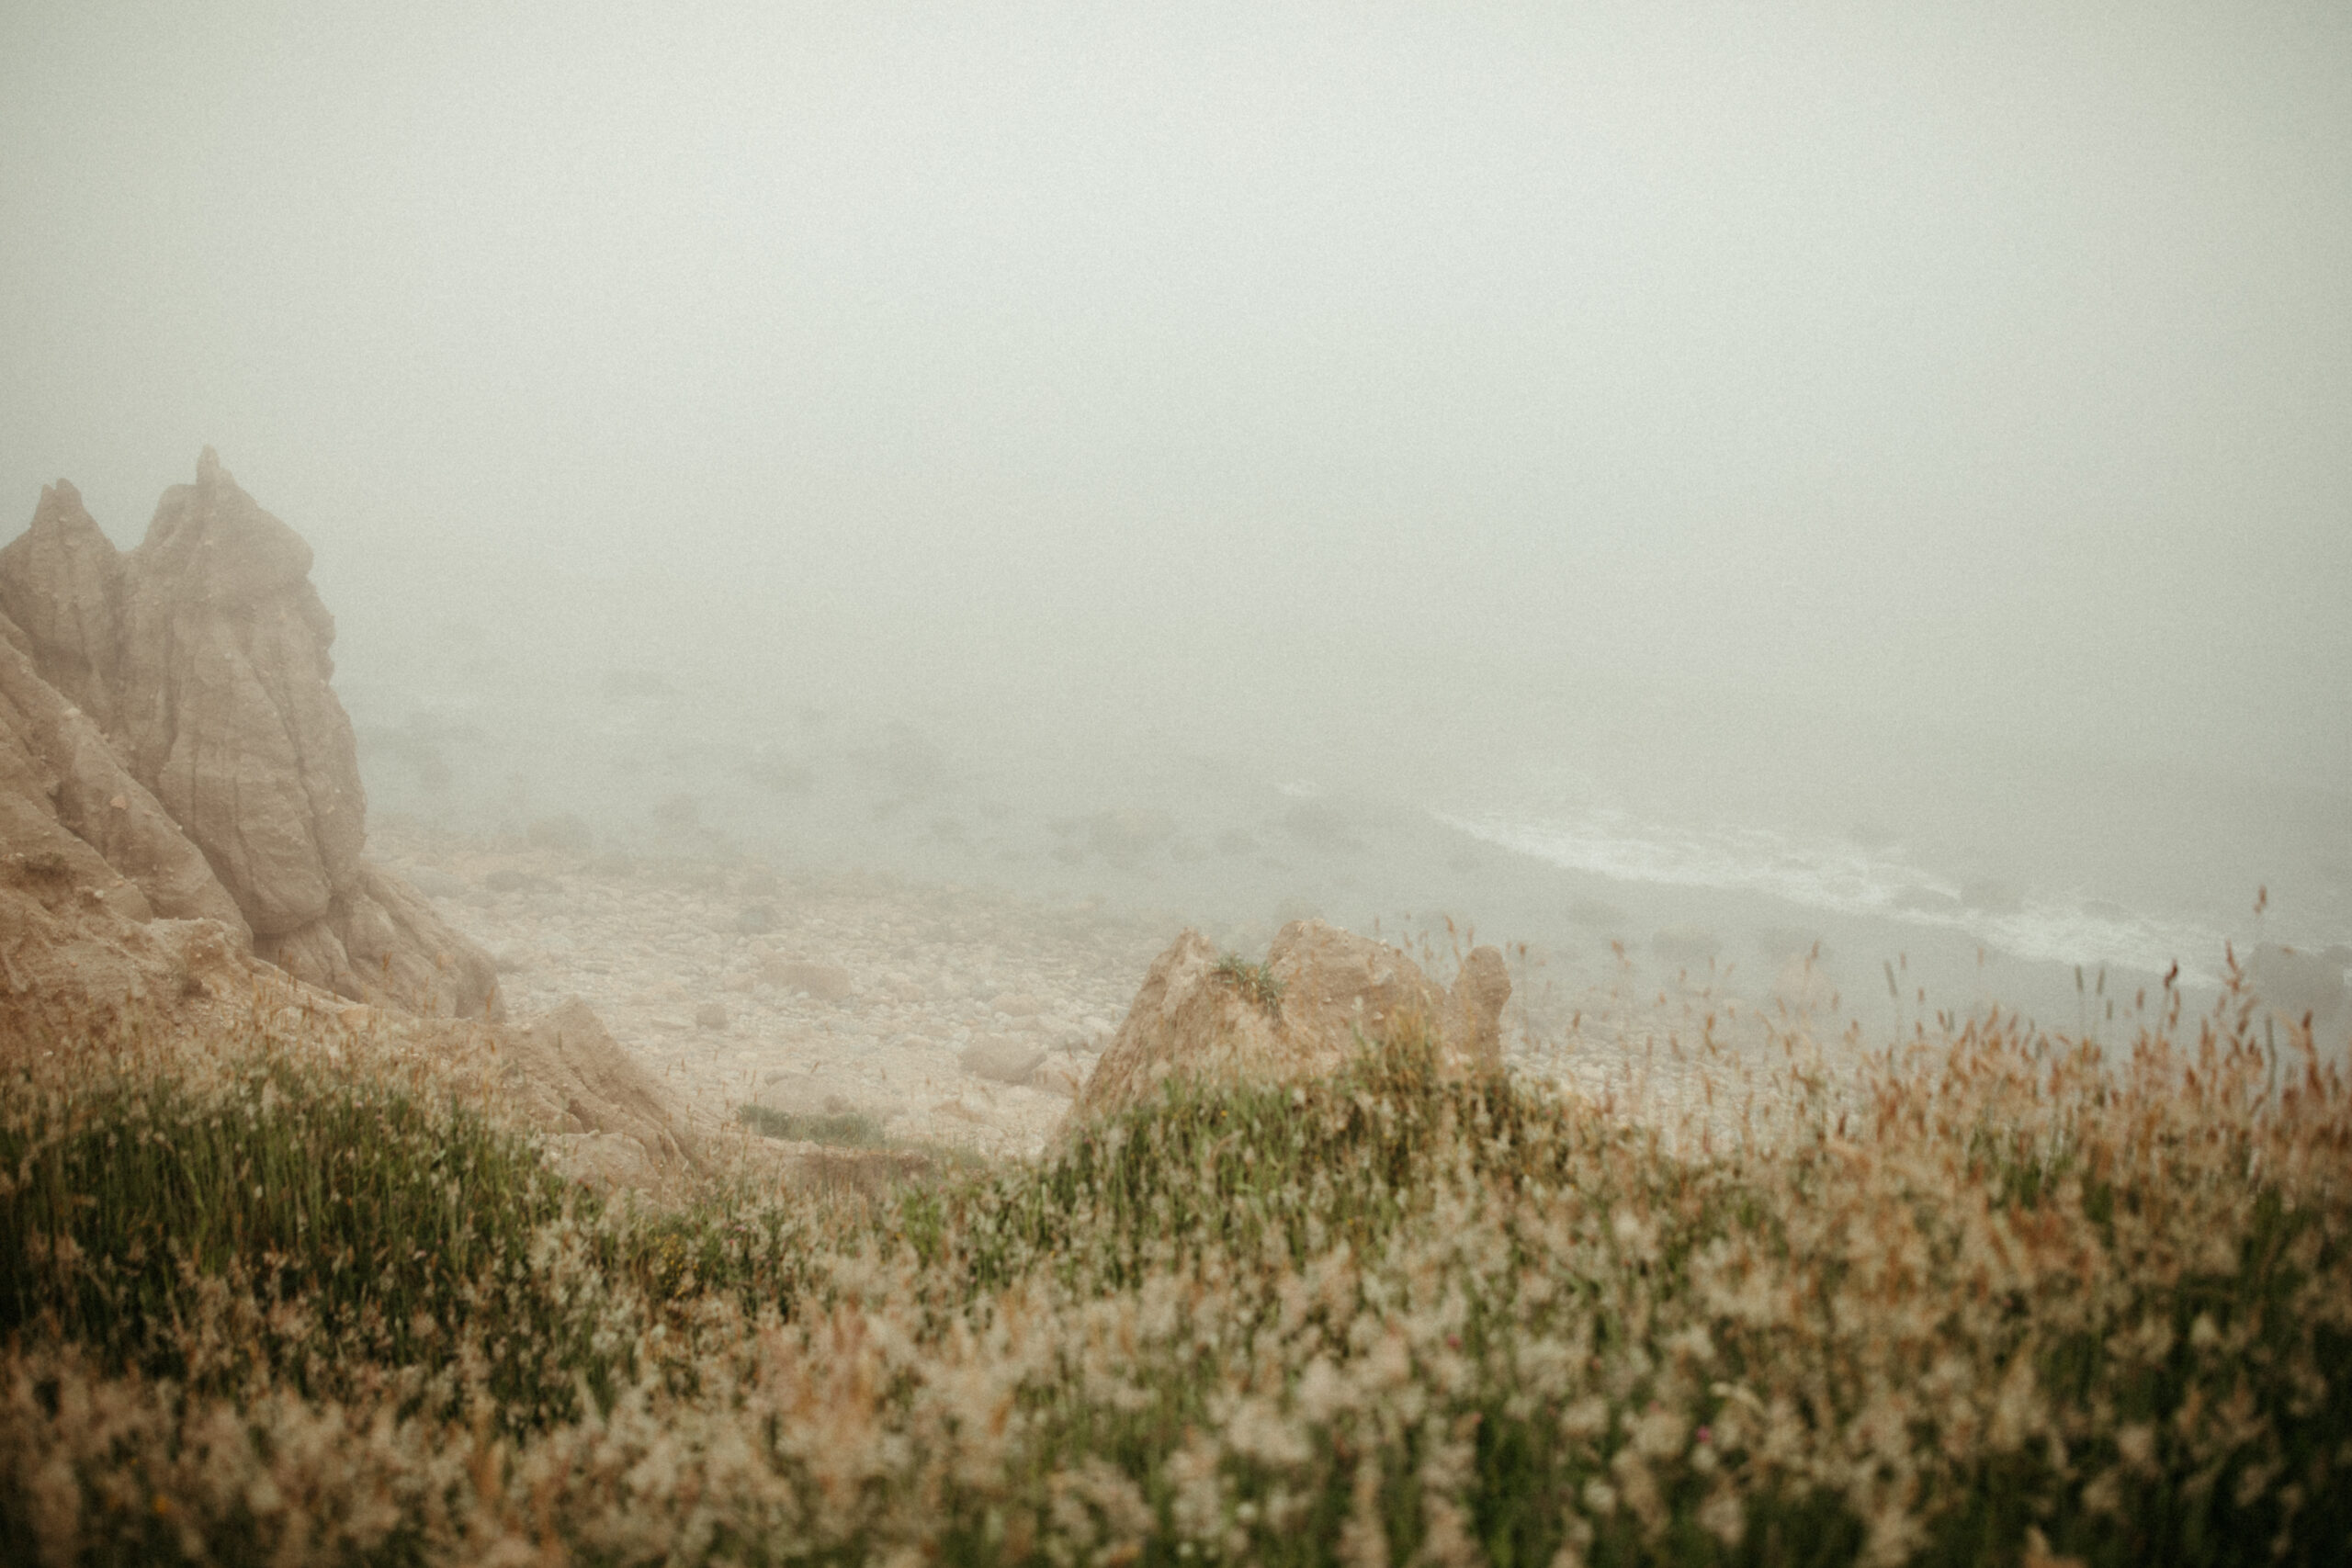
(1918, 433)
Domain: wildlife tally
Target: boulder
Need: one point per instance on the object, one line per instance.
(1321, 992)
(1002, 1058)
(382, 943)
(826, 982)
(569, 1075)
(1060, 1074)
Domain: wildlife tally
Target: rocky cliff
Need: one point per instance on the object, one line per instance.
(183, 827)
(192, 700)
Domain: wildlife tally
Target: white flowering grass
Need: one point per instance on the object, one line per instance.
(2004, 1298)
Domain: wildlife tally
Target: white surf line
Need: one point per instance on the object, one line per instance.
(1844, 877)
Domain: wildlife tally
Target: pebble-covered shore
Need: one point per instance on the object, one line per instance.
(838, 994)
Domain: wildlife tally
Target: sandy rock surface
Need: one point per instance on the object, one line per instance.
(222, 700)
(62, 581)
(1298, 1017)
(66, 798)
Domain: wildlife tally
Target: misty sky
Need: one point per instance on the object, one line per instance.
(1987, 362)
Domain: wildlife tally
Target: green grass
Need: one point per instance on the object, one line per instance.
(355, 1220)
(848, 1129)
(2173, 1268)
(1257, 982)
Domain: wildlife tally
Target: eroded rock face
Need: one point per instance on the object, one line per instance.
(180, 801)
(1194, 1017)
(382, 943)
(74, 965)
(60, 581)
(172, 711)
(64, 797)
(223, 702)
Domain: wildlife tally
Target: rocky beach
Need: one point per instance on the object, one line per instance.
(809, 995)
(943, 1014)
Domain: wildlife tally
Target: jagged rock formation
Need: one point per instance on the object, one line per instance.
(223, 703)
(1330, 987)
(204, 655)
(61, 581)
(182, 826)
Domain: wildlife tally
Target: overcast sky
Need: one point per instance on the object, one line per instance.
(1990, 361)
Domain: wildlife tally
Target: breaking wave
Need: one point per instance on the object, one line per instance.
(1849, 878)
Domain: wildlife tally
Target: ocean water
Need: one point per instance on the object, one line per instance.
(1838, 875)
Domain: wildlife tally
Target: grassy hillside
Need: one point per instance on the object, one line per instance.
(2007, 1300)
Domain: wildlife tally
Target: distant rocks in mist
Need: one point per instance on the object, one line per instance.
(1594, 915)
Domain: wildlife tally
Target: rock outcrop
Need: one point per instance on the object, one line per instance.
(182, 826)
(67, 802)
(224, 704)
(201, 661)
(382, 941)
(1320, 992)
(72, 962)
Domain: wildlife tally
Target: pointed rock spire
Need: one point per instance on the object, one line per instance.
(224, 704)
(61, 581)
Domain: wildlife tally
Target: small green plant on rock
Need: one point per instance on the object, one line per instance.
(1258, 982)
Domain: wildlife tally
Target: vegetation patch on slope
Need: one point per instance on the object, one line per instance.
(2008, 1297)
